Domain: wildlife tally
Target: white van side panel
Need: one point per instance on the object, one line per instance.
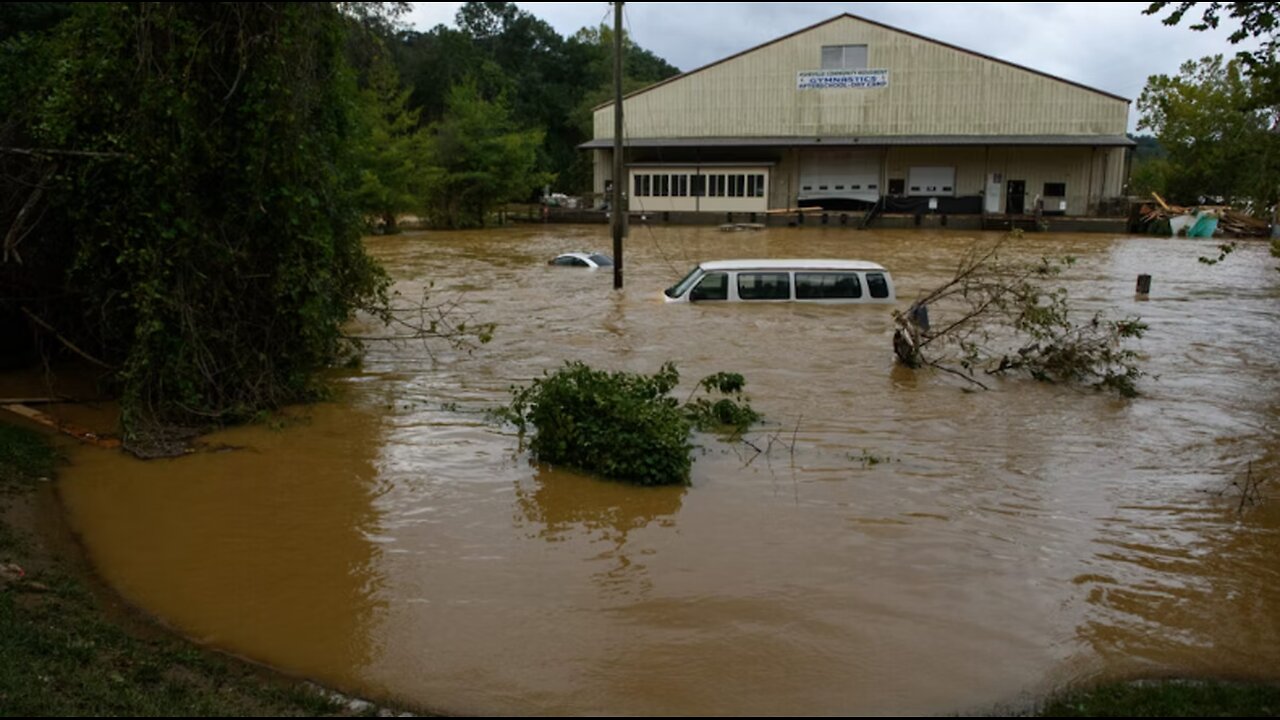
(734, 296)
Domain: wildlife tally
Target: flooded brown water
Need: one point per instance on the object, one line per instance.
(923, 549)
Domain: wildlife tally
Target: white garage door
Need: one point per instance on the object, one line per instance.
(931, 182)
(839, 174)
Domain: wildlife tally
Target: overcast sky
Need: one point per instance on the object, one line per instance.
(1111, 46)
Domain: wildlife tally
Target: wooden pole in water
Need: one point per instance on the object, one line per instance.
(1144, 284)
(619, 212)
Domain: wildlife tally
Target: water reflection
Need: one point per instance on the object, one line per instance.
(557, 506)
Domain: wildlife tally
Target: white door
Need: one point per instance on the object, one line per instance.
(839, 174)
(995, 190)
(931, 182)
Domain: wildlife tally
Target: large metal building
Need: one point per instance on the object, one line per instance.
(849, 113)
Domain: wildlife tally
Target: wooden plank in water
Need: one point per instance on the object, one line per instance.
(75, 431)
(32, 401)
(792, 211)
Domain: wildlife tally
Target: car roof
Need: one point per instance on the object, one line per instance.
(784, 264)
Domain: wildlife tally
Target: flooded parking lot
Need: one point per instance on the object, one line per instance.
(912, 547)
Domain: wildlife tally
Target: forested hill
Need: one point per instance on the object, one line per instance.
(549, 82)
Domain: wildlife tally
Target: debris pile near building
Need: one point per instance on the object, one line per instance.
(1160, 217)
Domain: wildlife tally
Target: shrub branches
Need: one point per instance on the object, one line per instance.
(998, 317)
(624, 426)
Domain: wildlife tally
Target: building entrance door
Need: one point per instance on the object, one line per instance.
(1015, 201)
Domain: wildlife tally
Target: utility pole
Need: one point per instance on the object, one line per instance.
(619, 212)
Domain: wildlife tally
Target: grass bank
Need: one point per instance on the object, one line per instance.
(1168, 698)
(61, 655)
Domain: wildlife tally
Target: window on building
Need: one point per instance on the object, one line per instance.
(699, 185)
(684, 185)
(1055, 189)
(844, 57)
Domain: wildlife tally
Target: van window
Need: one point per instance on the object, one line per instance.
(827, 285)
(764, 286)
(714, 286)
(679, 289)
(878, 286)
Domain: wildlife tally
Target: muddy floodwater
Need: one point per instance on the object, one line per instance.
(905, 546)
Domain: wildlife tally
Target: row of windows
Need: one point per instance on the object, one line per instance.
(777, 286)
(690, 185)
(753, 185)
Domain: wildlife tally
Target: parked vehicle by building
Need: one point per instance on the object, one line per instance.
(816, 281)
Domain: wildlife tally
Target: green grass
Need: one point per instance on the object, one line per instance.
(1168, 698)
(24, 456)
(60, 656)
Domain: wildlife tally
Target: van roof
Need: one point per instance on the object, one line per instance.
(807, 264)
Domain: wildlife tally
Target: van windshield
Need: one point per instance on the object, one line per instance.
(682, 287)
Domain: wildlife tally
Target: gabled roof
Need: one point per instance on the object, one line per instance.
(859, 18)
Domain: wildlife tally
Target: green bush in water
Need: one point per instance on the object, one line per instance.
(620, 425)
(732, 412)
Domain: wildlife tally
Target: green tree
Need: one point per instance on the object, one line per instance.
(1220, 140)
(1150, 164)
(195, 228)
(1255, 19)
(483, 160)
(393, 152)
(545, 78)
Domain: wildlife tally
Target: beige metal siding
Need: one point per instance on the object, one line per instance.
(603, 160)
(784, 186)
(1080, 168)
(1114, 169)
(933, 90)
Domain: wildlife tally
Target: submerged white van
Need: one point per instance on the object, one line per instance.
(819, 281)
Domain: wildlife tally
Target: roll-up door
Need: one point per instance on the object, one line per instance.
(931, 182)
(839, 174)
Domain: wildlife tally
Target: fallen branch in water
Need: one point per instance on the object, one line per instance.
(1001, 319)
(1250, 490)
(428, 321)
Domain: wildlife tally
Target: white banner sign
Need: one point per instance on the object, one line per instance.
(841, 79)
